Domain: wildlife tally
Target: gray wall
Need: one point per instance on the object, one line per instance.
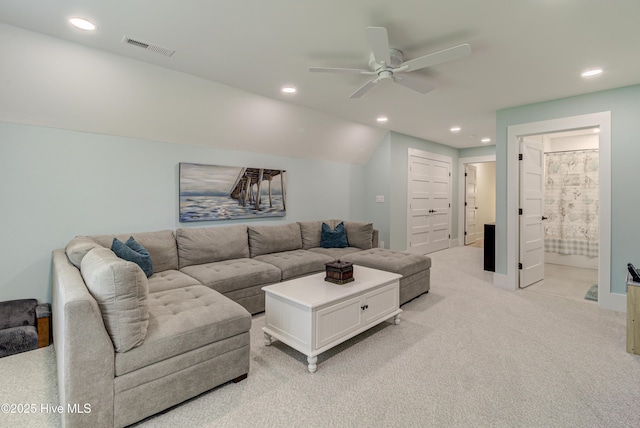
(378, 172)
(56, 184)
(624, 104)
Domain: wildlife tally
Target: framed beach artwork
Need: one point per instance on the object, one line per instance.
(214, 192)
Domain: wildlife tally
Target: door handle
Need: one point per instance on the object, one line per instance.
(545, 218)
(433, 211)
(476, 207)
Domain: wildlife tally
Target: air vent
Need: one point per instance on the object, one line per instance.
(148, 46)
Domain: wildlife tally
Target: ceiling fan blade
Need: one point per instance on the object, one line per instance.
(413, 83)
(379, 41)
(339, 70)
(364, 89)
(439, 57)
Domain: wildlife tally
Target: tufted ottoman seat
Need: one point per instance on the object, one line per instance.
(415, 269)
(190, 328)
(241, 280)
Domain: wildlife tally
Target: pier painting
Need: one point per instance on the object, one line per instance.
(213, 192)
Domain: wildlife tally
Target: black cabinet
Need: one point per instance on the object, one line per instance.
(490, 247)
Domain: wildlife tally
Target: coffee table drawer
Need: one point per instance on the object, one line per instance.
(337, 321)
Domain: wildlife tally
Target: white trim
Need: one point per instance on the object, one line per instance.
(606, 299)
(461, 190)
(442, 158)
(500, 281)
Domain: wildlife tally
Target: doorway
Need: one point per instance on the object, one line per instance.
(514, 133)
(559, 210)
(485, 198)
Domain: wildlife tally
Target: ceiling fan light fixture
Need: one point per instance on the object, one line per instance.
(289, 89)
(591, 73)
(455, 129)
(83, 24)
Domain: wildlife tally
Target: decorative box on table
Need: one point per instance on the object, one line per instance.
(339, 272)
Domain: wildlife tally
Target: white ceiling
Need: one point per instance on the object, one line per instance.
(522, 51)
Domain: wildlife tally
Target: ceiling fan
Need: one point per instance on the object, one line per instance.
(387, 63)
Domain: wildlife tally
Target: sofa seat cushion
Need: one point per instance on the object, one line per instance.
(297, 262)
(335, 253)
(170, 280)
(183, 320)
(232, 275)
(391, 261)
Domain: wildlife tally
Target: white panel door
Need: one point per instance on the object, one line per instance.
(419, 205)
(531, 204)
(429, 190)
(440, 205)
(470, 204)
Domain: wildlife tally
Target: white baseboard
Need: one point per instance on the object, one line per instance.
(613, 301)
(571, 260)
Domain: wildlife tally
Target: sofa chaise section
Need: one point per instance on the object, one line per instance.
(415, 269)
(195, 338)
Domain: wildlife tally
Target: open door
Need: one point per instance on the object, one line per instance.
(531, 208)
(470, 208)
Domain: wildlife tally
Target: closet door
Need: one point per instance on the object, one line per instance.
(429, 202)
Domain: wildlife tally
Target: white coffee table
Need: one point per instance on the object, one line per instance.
(312, 315)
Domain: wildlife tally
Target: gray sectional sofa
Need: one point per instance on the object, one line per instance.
(130, 346)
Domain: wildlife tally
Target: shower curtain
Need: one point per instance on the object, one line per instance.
(571, 203)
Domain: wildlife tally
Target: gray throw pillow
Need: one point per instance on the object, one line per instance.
(132, 251)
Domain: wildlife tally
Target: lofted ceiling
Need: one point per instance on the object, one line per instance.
(522, 51)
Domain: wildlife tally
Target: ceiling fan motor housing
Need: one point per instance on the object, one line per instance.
(396, 59)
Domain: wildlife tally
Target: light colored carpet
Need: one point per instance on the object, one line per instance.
(465, 355)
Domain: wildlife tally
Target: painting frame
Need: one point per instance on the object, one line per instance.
(221, 192)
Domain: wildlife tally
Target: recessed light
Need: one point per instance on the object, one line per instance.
(455, 129)
(289, 90)
(485, 140)
(83, 24)
(596, 130)
(382, 119)
(591, 73)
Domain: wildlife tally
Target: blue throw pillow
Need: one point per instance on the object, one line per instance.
(336, 238)
(132, 251)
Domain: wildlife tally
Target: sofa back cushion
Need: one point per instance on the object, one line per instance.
(274, 239)
(311, 232)
(359, 234)
(78, 247)
(121, 291)
(202, 245)
(161, 246)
